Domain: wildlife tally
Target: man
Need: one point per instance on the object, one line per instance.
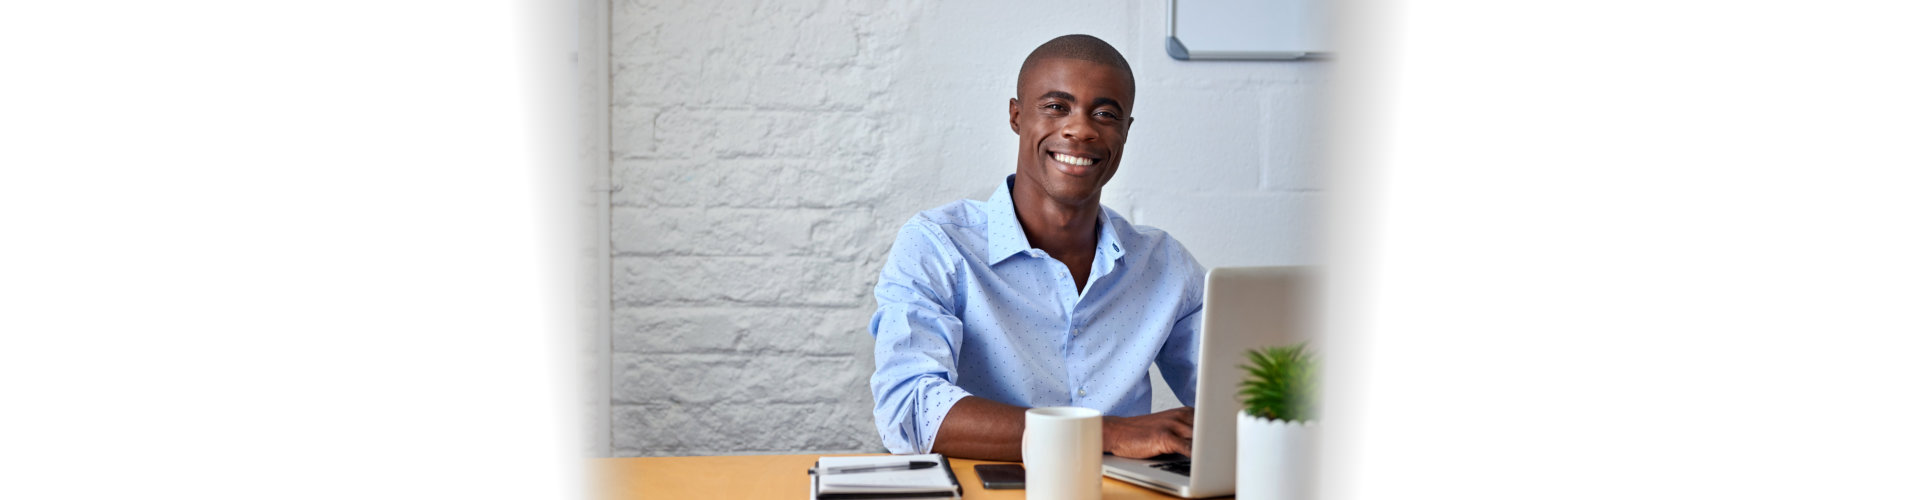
(1039, 296)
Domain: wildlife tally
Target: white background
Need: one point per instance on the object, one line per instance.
(1629, 250)
(283, 251)
(1646, 249)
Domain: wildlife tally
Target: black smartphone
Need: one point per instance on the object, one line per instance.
(1002, 476)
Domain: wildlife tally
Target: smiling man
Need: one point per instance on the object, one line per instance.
(1039, 296)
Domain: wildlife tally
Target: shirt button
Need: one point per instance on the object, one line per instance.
(1083, 392)
(1076, 331)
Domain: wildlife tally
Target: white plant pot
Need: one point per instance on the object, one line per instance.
(1276, 460)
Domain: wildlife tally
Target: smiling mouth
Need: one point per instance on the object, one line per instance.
(1073, 160)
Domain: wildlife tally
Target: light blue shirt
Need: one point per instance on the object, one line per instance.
(967, 307)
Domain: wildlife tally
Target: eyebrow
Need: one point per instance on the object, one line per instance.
(1097, 101)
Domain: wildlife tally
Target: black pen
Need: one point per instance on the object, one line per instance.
(916, 465)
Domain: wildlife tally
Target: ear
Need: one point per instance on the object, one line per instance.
(1013, 113)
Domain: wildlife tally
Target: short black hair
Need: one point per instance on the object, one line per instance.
(1082, 47)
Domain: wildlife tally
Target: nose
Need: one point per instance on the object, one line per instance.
(1079, 127)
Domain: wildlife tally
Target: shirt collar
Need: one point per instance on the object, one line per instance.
(1005, 236)
(1109, 238)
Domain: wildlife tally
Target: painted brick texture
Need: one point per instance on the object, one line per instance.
(765, 153)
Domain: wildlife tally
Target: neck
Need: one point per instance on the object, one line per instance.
(1063, 231)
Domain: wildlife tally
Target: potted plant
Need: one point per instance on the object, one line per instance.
(1277, 435)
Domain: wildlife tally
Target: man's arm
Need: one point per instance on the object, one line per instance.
(983, 429)
(1179, 357)
(917, 339)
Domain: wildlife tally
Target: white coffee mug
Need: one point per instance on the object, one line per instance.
(1062, 453)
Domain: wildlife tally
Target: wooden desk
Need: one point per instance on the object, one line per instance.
(772, 476)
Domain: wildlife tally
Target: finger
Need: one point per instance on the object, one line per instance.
(1183, 446)
(1183, 415)
(1183, 431)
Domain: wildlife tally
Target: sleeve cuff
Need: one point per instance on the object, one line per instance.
(935, 402)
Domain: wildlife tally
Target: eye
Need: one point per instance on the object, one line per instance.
(1053, 106)
(1105, 114)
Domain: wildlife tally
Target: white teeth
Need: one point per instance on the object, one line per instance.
(1072, 160)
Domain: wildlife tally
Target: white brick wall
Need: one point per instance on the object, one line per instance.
(764, 154)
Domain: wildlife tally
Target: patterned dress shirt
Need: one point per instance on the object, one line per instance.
(967, 307)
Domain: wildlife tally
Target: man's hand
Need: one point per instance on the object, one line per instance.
(1148, 435)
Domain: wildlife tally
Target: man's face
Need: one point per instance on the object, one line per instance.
(1072, 117)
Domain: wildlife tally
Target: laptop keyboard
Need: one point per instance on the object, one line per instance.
(1183, 467)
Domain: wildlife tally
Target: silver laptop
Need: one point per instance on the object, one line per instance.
(1245, 308)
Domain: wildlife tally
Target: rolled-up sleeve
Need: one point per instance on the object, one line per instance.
(917, 339)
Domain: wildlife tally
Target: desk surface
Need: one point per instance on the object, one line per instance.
(772, 476)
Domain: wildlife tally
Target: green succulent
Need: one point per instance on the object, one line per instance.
(1281, 384)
